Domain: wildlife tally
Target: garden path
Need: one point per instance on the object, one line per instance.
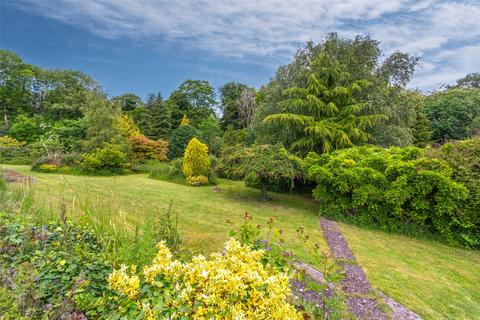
(362, 301)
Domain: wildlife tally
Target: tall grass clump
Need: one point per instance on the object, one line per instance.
(171, 171)
(124, 239)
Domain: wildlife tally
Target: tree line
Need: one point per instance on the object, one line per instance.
(334, 94)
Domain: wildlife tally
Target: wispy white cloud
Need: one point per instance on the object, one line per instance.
(445, 34)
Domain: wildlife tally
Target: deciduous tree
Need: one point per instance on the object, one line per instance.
(128, 101)
(452, 113)
(194, 98)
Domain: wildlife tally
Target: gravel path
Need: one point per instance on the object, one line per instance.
(355, 284)
(14, 176)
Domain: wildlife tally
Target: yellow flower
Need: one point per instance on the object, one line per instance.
(125, 284)
(234, 285)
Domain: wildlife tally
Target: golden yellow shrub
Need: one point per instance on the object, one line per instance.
(7, 141)
(195, 161)
(230, 285)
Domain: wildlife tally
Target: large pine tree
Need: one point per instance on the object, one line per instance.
(159, 120)
(325, 115)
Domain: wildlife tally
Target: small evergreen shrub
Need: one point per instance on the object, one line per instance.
(196, 163)
(109, 159)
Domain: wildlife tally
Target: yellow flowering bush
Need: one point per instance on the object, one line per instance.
(46, 167)
(230, 285)
(197, 180)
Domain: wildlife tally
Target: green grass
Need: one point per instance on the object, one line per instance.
(434, 280)
(130, 201)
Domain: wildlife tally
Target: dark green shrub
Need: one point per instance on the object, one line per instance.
(231, 164)
(396, 189)
(39, 162)
(236, 161)
(179, 139)
(27, 129)
(454, 113)
(70, 159)
(212, 175)
(17, 155)
(464, 158)
(70, 132)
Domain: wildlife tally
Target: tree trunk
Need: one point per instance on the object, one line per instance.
(263, 189)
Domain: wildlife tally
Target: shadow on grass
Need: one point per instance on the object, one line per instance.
(236, 191)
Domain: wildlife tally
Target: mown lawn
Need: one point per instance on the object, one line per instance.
(129, 201)
(434, 280)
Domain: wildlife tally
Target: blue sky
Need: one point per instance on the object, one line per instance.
(145, 46)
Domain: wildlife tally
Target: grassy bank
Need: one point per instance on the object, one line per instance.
(434, 280)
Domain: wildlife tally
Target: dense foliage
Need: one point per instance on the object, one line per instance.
(325, 115)
(144, 148)
(362, 59)
(193, 98)
(233, 285)
(196, 163)
(454, 114)
(268, 167)
(464, 158)
(393, 188)
(110, 158)
(51, 271)
(179, 140)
